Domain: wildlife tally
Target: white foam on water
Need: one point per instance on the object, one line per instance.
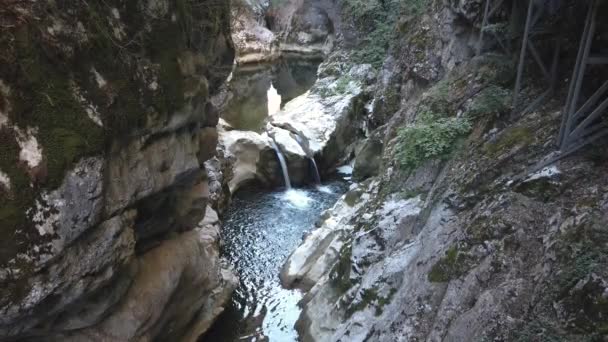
(325, 189)
(297, 198)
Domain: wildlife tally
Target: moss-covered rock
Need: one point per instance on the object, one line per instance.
(86, 89)
(451, 266)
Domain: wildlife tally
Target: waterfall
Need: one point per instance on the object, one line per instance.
(316, 171)
(304, 144)
(283, 164)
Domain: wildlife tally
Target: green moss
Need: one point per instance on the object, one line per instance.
(340, 274)
(411, 193)
(371, 297)
(42, 98)
(537, 331)
(353, 197)
(481, 229)
(512, 137)
(437, 98)
(576, 269)
(442, 98)
(340, 87)
(65, 132)
(451, 266)
(171, 78)
(383, 301)
(603, 329)
(14, 204)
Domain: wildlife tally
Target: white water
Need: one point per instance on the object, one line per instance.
(283, 165)
(316, 171)
(298, 199)
(325, 189)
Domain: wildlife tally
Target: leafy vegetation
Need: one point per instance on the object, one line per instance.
(429, 138)
(376, 20)
(493, 100)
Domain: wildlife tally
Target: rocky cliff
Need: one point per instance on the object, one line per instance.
(105, 125)
(264, 30)
(449, 234)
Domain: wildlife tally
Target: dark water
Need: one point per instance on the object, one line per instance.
(260, 230)
(248, 107)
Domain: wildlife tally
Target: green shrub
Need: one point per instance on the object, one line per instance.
(428, 139)
(493, 100)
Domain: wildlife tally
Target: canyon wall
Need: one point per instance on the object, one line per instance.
(105, 124)
(450, 233)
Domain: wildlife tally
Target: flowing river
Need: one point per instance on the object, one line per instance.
(260, 230)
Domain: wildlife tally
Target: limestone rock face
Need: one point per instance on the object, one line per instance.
(264, 30)
(306, 28)
(474, 245)
(105, 125)
(369, 158)
(190, 266)
(253, 40)
(294, 148)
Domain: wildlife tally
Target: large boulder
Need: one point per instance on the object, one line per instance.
(322, 247)
(331, 116)
(250, 156)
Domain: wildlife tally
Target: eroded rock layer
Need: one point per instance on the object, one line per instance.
(105, 125)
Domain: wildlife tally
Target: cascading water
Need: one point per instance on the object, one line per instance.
(283, 164)
(306, 148)
(315, 171)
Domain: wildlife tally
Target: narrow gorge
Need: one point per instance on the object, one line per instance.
(303, 170)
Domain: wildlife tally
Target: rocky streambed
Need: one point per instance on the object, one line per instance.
(271, 112)
(260, 230)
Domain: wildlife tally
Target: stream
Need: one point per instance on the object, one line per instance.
(260, 230)
(262, 227)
